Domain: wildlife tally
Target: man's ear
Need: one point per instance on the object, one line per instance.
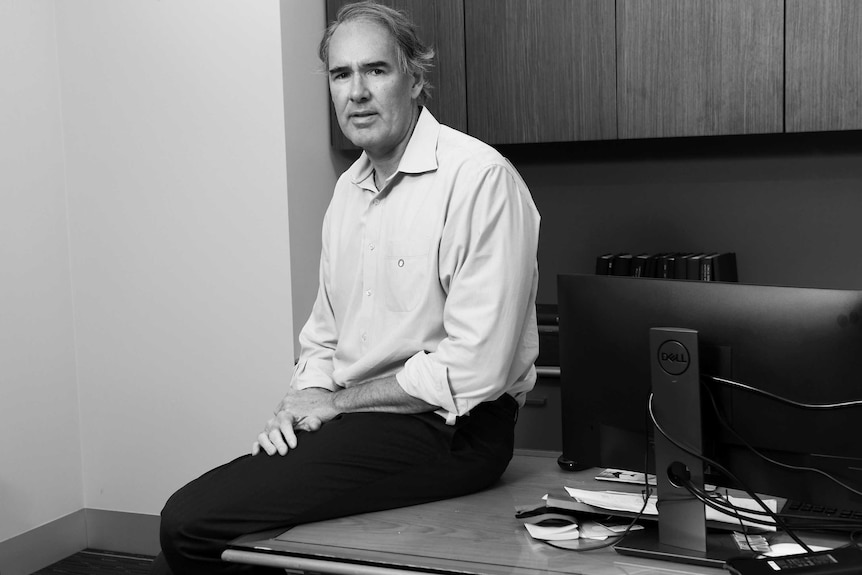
(418, 85)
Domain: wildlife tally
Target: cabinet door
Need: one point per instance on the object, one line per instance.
(540, 70)
(540, 421)
(441, 24)
(700, 68)
(824, 65)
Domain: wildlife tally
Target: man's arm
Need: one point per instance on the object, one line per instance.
(308, 409)
(487, 265)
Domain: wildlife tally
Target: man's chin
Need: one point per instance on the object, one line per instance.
(359, 139)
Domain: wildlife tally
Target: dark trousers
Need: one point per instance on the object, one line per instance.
(355, 463)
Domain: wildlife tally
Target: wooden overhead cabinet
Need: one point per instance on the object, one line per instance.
(699, 67)
(824, 65)
(540, 70)
(440, 23)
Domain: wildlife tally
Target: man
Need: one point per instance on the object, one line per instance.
(420, 346)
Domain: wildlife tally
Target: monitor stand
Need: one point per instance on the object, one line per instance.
(681, 535)
(647, 543)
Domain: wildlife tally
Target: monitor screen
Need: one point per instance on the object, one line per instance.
(802, 344)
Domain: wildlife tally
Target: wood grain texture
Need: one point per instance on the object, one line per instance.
(441, 24)
(540, 70)
(824, 65)
(473, 534)
(700, 68)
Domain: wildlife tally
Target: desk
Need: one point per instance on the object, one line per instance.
(476, 534)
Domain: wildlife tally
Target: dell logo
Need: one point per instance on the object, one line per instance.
(673, 357)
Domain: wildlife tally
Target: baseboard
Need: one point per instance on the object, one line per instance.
(84, 529)
(118, 531)
(42, 546)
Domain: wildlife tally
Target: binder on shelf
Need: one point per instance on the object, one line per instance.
(604, 263)
(724, 267)
(692, 266)
(622, 265)
(702, 266)
(640, 265)
(651, 270)
(666, 265)
(680, 266)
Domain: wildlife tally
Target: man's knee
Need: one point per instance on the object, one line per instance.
(178, 526)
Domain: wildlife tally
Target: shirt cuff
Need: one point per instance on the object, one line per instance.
(429, 381)
(305, 375)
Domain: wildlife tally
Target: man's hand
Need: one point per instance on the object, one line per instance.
(300, 410)
(308, 409)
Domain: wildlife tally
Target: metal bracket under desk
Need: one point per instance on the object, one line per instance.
(307, 565)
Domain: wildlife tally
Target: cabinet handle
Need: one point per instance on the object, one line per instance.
(545, 371)
(535, 402)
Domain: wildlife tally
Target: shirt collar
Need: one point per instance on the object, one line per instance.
(419, 156)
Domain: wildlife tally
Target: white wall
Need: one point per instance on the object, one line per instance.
(312, 166)
(176, 177)
(40, 442)
(169, 209)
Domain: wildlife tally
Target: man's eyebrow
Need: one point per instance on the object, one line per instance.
(379, 64)
(363, 66)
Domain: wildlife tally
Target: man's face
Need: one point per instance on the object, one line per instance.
(375, 101)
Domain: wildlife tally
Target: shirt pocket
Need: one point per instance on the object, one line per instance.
(405, 272)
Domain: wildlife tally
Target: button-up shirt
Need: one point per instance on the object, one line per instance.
(432, 278)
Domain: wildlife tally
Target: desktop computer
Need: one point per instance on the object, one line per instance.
(770, 400)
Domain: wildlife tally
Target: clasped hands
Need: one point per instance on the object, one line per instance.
(300, 410)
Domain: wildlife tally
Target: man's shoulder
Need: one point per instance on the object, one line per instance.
(466, 154)
(457, 147)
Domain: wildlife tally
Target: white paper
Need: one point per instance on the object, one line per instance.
(615, 500)
(557, 533)
(633, 503)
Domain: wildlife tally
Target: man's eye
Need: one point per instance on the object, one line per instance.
(376, 71)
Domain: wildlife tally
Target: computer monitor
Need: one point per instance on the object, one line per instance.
(802, 344)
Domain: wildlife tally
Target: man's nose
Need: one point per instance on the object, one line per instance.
(358, 88)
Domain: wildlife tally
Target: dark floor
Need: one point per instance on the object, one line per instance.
(97, 562)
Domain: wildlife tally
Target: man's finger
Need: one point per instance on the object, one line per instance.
(277, 440)
(286, 429)
(265, 443)
(310, 423)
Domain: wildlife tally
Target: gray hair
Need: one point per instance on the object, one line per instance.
(414, 56)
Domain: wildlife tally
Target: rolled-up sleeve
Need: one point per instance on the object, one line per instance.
(487, 266)
(318, 338)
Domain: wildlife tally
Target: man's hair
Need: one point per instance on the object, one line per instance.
(414, 56)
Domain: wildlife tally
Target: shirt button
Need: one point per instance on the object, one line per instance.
(400, 263)
(376, 202)
(371, 247)
(368, 292)
(363, 336)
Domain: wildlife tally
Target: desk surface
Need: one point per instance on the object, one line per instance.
(475, 534)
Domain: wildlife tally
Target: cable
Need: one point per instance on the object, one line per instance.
(727, 507)
(763, 456)
(737, 384)
(718, 503)
(778, 521)
(612, 539)
(616, 538)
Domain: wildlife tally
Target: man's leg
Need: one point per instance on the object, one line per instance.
(353, 464)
